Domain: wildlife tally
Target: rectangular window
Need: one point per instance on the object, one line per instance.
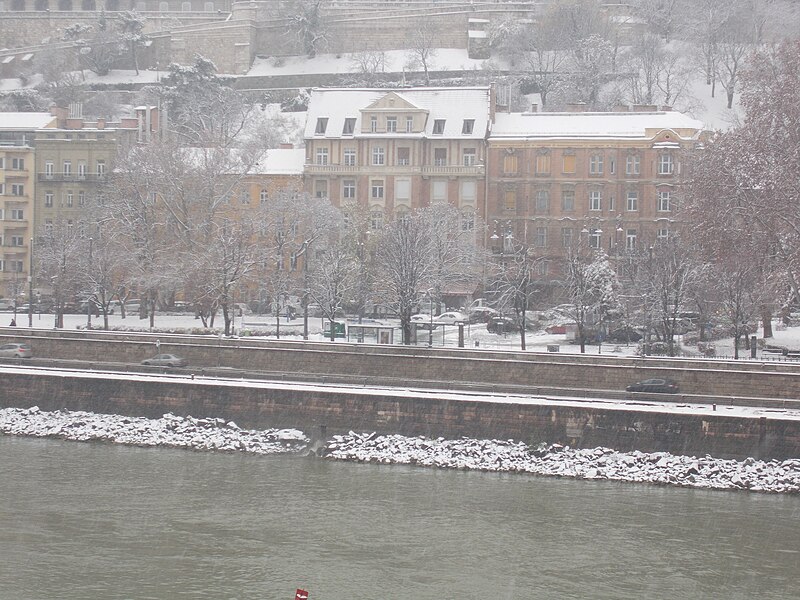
(612, 166)
(664, 203)
(468, 126)
(17, 214)
(404, 156)
(542, 201)
(17, 189)
(568, 200)
(541, 237)
(81, 198)
(82, 170)
(376, 220)
(594, 237)
(16, 266)
(510, 164)
(321, 188)
(391, 124)
(632, 165)
(439, 190)
(438, 126)
(48, 199)
(322, 125)
(49, 169)
(469, 191)
(68, 198)
(596, 164)
(595, 200)
(542, 164)
(630, 239)
(373, 124)
(349, 157)
(2, 162)
(409, 124)
(566, 237)
(402, 189)
(569, 163)
(349, 126)
(377, 189)
(2, 189)
(665, 166)
(632, 201)
(468, 221)
(67, 169)
(101, 169)
(349, 189)
(440, 157)
(510, 200)
(378, 156)
(541, 268)
(322, 156)
(470, 157)
(17, 240)
(662, 234)
(18, 164)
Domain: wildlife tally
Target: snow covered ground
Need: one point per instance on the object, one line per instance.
(475, 335)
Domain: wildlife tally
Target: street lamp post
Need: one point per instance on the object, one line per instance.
(430, 328)
(30, 285)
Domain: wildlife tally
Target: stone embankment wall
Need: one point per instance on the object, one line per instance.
(717, 378)
(327, 411)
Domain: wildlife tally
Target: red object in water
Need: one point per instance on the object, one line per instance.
(300, 594)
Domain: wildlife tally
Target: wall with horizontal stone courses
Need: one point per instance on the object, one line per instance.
(719, 378)
(332, 411)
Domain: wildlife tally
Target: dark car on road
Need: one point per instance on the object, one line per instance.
(654, 386)
(499, 324)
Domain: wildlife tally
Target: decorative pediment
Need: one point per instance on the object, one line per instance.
(392, 101)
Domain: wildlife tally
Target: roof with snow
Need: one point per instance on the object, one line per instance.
(571, 125)
(281, 161)
(26, 121)
(453, 105)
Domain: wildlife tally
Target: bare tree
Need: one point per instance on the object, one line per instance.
(130, 25)
(307, 22)
(334, 278)
(59, 249)
(518, 285)
(422, 47)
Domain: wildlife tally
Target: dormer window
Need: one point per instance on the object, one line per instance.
(322, 125)
(349, 126)
(438, 126)
(373, 124)
(468, 126)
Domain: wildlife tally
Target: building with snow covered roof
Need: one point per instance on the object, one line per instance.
(612, 178)
(392, 151)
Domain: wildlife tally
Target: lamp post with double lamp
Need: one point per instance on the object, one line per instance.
(504, 235)
(430, 326)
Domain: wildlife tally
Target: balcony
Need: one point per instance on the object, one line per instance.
(16, 173)
(15, 223)
(452, 171)
(75, 177)
(335, 170)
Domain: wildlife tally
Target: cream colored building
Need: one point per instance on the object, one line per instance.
(17, 189)
(395, 151)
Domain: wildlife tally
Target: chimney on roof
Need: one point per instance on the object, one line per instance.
(576, 107)
(645, 108)
(60, 114)
(286, 146)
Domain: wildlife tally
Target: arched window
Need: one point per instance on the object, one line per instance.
(163, 6)
(263, 196)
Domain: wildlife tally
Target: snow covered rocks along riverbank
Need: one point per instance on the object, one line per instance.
(172, 431)
(560, 461)
(169, 431)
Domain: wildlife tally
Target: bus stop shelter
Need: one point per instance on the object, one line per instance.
(371, 333)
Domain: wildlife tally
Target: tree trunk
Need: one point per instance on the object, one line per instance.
(730, 98)
(766, 319)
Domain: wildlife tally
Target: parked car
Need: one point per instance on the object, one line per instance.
(499, 324)
(654, 386)
(16, 351)
(423, 321)
(450, 318)
(624, 334)
(165, 360)
(481, 314)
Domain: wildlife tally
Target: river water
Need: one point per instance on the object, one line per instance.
(97, 521)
